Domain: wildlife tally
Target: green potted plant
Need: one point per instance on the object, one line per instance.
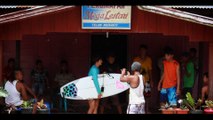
(194, 107)
(27, 107)
(209, 107)
(3, 92)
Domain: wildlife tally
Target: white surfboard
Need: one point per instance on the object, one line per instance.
(84, 88)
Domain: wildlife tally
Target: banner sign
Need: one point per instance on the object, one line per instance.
(106, 17)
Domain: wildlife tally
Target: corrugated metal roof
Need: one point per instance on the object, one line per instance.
(179, 14)
(15, 6)
(191, 7)
(22, 14)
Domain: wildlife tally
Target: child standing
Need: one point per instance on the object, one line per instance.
(170, 79)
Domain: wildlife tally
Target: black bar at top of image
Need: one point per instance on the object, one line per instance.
(106, 2)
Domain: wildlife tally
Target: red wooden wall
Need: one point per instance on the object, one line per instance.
(211, 71)
(69, 20)
(73, 43)
(156, 43)
(75, 48)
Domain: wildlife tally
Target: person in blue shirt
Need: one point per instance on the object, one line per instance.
(94, 71)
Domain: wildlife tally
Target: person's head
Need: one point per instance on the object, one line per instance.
(185, 56)
(11, 62)
(136, 67)
(39, 64)
(169, 54)
(18, 74)
(193, 52)
(205, 77)
(64, 66)
(111, 58)
(165, 49)
(97, 60)
(143, 48)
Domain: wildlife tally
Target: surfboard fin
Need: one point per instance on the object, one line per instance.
(102, 89)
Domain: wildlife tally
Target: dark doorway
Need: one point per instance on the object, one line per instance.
(117, 44)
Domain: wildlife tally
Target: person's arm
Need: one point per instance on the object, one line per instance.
(20, 87)
(124, 78)
(160, 82)
(29, 90)
(178, 79)
(95, 80)
(203, 94)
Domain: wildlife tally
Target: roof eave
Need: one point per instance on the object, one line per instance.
(23, 14)
(179, 14)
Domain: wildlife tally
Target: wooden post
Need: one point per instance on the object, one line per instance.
(211, 70)
(18, 53)
(1, 63)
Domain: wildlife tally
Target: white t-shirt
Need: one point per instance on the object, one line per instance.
(136, 94)
(14, 96)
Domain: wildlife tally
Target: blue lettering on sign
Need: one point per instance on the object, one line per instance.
(106, 25)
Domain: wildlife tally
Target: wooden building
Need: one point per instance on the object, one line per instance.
(52, 33)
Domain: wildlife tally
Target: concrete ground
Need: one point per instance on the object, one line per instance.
(81, 107)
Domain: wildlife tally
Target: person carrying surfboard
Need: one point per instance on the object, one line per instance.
(94, 71)
(136, 82)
